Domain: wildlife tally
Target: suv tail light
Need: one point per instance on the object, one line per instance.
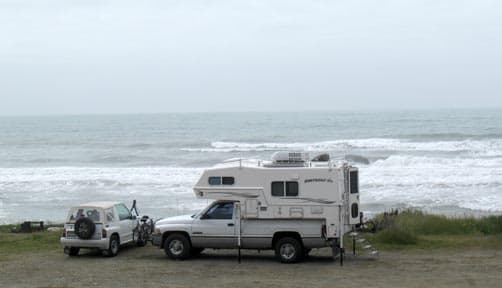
(103, 233)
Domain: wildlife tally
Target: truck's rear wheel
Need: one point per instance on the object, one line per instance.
(177, 246)
(288, 250)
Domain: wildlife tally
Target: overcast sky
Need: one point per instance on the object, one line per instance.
(98, 56)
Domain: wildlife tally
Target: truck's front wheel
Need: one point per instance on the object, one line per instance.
(288, 250)
(177, 246)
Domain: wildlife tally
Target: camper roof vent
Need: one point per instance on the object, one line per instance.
(288, 159)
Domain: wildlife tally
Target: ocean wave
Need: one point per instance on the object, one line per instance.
(433, 182)
(488, 147)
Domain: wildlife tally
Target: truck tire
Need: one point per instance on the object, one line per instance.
(288, 250)
(84, 228)
(114, 247)
(177, 246)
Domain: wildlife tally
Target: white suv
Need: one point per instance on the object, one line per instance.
(101, 225)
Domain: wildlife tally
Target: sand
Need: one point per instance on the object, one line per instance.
(149, 267)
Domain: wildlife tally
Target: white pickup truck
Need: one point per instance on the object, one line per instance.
(290, 204)
(217, 226)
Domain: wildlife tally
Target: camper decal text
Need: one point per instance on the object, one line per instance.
(318, 180)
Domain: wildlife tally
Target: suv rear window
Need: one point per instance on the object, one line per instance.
(84, 212)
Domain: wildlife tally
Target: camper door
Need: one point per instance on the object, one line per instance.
(353, 191)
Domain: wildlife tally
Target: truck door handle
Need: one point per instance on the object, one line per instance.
(230, 224)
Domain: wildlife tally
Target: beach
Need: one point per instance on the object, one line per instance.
(149, 267)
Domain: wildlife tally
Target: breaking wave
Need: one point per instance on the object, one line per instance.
(488, 147)
(434, 182)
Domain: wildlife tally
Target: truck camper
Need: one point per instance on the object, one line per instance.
(290, 204)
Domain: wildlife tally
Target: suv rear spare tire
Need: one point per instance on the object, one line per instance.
(84, 228)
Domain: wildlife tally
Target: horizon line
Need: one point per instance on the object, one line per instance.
(340, 110)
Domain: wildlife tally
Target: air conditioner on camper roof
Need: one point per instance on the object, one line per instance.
(285, 157)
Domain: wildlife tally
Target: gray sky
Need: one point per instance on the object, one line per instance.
(98, 56)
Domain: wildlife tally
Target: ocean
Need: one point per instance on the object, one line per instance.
(441, 161)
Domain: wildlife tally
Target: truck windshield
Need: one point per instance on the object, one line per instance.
(88, 212)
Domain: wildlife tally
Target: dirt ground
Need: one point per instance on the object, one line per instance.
(149, 267)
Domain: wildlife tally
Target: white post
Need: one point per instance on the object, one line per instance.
(238, 224)
(342, 232)
(238, 213)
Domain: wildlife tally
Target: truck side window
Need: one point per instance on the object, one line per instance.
(278, 188)
(220, 211)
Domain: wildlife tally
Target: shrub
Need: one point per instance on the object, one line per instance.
(397, 236)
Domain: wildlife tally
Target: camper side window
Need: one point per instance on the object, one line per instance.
(221, 180)
(214, 180)
(278, 189)
(291, 188)
(354, 185)
(281, 189)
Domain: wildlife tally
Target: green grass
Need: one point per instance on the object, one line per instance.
(417, 230)
(409, 230)
(12, 244)
(7, 228)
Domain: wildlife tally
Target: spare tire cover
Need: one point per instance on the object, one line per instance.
(85, 228)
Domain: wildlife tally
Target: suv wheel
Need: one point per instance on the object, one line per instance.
(288, 250)
(177, 246)
(114, 247)
(73, 251)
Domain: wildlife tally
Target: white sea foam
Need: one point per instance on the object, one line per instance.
(418, 181)
(434, 182)
(489, 147)
(46, 193)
